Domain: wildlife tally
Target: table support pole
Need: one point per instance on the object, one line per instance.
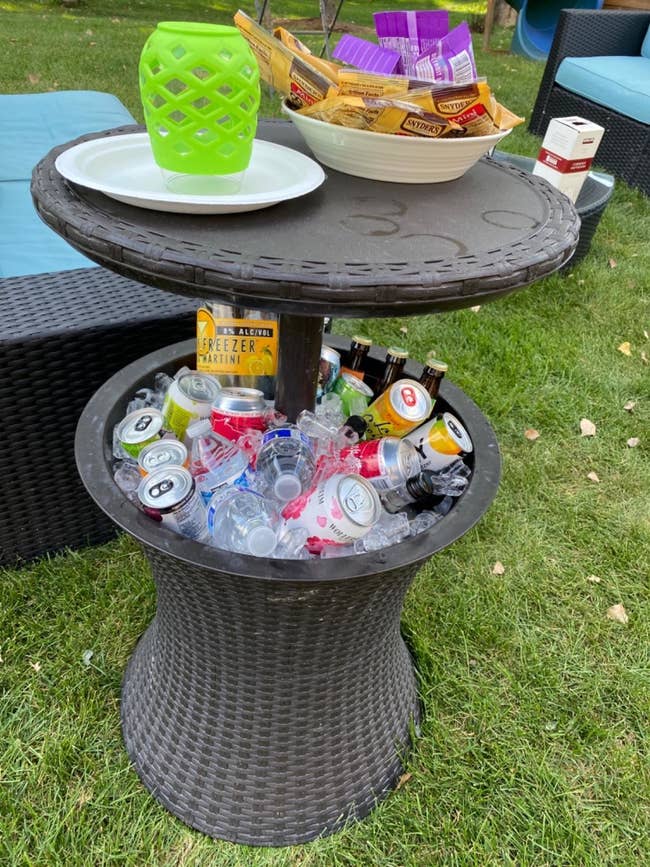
(298, 359)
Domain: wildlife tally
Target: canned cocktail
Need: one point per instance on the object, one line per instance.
(189, 397)
(138, 429)
(338, 511)
(440, 441)
(386, 463)
(236, 410)
(400, 409)
(162, 453)
(169, 495)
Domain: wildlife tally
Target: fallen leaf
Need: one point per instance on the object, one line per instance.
(92, 43)
(498, 568)
(404, 329)
(36, 666)
(633, 442)
(403, 780)
(86, 656)
(646, 335)
(618, 613)
(587, 428)
(115, 20)
(33, 79)
(89, 32)
(594, 579)
(531, 434)
(551, 725)
(629, 406)
(625, 348)
(476, 308)
(612, 263)
(593, 477)
(581, 282)
(644, 358)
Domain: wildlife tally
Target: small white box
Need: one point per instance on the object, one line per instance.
(568, 149)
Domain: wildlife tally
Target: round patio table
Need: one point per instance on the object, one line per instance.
(270, 702)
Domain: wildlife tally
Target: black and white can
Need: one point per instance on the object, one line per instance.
(169, 495)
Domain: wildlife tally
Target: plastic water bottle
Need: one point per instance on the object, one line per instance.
(242, 520)
(214, 460)
(285, 463)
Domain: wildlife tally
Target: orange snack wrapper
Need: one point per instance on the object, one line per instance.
(327, 67)
(390, 116)
(284, 69)
(472, 106)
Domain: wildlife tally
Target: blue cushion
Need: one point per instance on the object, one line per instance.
(645, 48)
(31, 124)
(619, 83)
(27, 245)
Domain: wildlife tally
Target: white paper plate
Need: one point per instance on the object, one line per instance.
(123, 168)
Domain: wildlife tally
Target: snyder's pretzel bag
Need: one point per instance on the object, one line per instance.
(282, 68)
(327, 67)
(380, 115)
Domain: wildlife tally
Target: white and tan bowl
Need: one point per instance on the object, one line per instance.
(397, 158)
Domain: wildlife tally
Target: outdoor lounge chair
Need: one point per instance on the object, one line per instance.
(66, 326)
(599, 69)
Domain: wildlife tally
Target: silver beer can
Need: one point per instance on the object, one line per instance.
(329, 369)
(169, 495)
(162, 453)
(338, 511)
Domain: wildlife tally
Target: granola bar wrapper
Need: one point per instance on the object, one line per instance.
(390, 116)
(411, 33)
(285, 70)
(451, 60)
(329, 70)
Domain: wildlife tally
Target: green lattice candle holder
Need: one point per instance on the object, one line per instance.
(199, 85)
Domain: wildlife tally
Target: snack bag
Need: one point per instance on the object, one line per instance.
(355, 83)
(411, 33)
(390, 116)
(282, 68)
(366, 55)
(328, 68)
(451, 60)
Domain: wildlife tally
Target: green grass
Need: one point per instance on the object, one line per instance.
(535, 740)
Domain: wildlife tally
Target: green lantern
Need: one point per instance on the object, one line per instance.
(199, 85)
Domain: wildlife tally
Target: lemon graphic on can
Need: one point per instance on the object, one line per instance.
(262, 364)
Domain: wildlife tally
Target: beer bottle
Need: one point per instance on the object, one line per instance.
(359, 348)
(432, 375)
(395, 361)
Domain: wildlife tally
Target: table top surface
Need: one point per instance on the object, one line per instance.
(352, 248)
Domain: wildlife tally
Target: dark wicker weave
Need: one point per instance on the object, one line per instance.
(352, 248)
(62, 335)
(270, 701)
(625, 147)
(593, 198)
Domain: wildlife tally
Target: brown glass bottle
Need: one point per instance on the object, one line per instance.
(359, 348)
(395, 361)
(432, 374)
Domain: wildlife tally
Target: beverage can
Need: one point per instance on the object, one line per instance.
(349, 387)
(337, 511)
(328, 370)
(162, 453)
(440, 441)
(237, 410)
(387, 463)
(138, 429)
(189, 397)
(398, 410)
(169, 495)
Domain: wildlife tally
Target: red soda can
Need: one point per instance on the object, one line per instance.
(237, 410)
(337, 511)
(386, 463)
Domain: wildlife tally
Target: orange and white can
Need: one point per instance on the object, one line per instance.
(440, 441)
(398, 410)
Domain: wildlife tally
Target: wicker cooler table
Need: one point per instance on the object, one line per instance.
(269, 702)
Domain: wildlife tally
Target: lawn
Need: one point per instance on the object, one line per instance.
(534, 749)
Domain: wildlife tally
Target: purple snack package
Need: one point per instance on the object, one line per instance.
(411, 33)
(366, 55)
(451, 60)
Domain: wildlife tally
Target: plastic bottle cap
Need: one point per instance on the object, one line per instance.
(358, 424)
(287, 487)
(262, 541)
(199, 428)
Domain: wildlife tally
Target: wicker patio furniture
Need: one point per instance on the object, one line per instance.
(625, 147)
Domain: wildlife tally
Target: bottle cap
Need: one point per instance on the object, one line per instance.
(358, 424)
(435, 363)
(199, 428)
(261, 541)
(421, 485)
(362, 339)
(398, 352)
(287, 487)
